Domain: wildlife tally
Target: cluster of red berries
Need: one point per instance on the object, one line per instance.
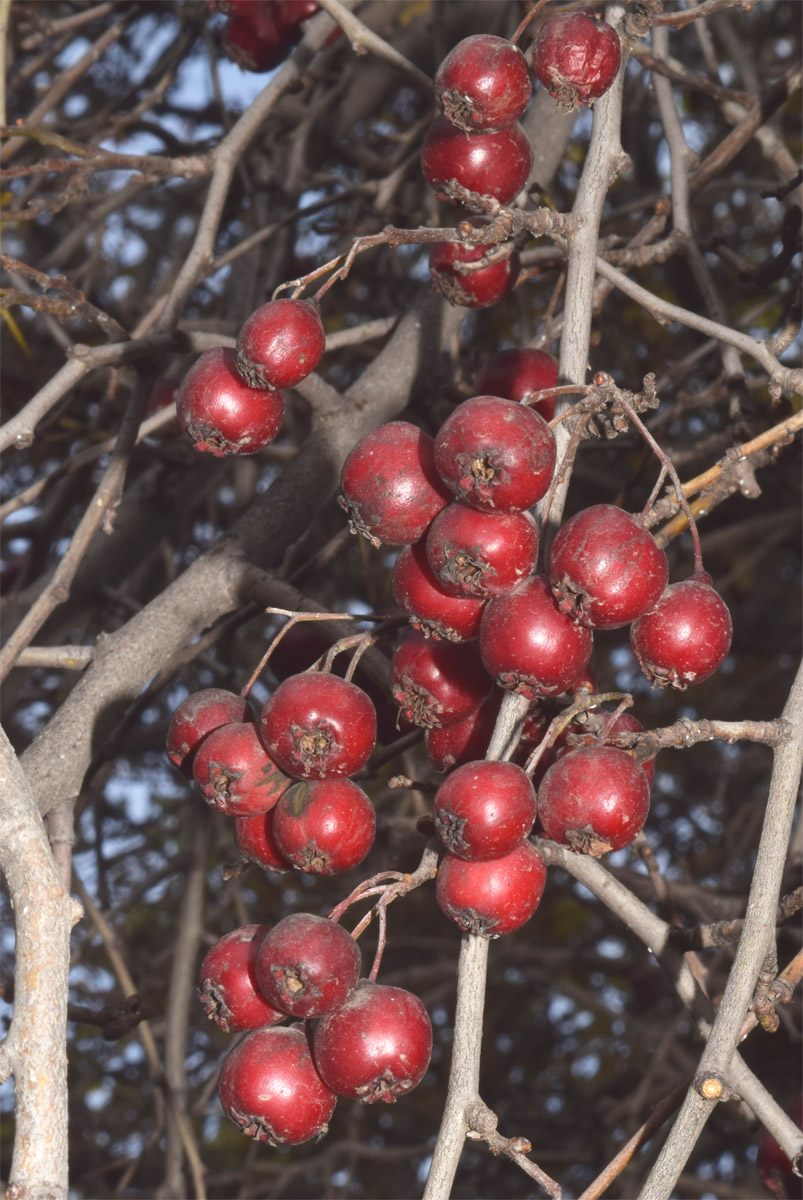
(231, 401)
(259, 34)
(284, 778)
(363, 1040)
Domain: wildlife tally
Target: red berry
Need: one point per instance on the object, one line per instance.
(686, 637)
(324, 826)
(376, 1046)
(280, 344)
(253, 40)
(594, 800)
(606, 569)
(517, 375)
(228, 987)
(576, 57)
(289, 13)
(529, 646)
(466, 740)
(450, 266)
(391, 489)
(220, 413)
(490, 164)
(316, 724)
(234, 773)
(431, 609)
(307, 965)
(475, 553)
(437, 684)
(495, 454)
(484, 810)
(257, 844)
(198, 716)
(494, 897)
(483, 84)
(271, 1091)
(624, 723)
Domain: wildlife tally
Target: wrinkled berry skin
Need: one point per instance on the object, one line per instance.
(437, 684)
(605, 568)
(490, 164)
(594, 800)
(479, 288)
(324, 826)
(494, 897)
(389, 485)
(316, 725)
(235, 774)
(576, 57)
(271, 1091)
(220, 413)
(484, 810)
(495, 455)
(466, 740)
(431, 609)
(280, 344)
(519, 374)
(529, 646)
(483, 84)
(256, 842)
(307, 965)
(686, 637)
(483, 554)
(228, 988)
(376, 1046)
(198, 716)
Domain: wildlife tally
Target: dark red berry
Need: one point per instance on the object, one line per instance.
(605, 568)
(324, 826)
(223, 415)
(576, 56)
(289, 13)
(235, 774)
(280, 344)
(318, 725)
(529, 646)
(390, 487)
(484, 810)
(253, 40)
(519, 374)
(376, 1046)
(271, 1091)
(257, 844)
(473, 276)
(475, 553)
(494, 897)
(228, 987)
(490, 164)
(436, 684)
(624, 723)
(198, 716)
(686, 637)
(483, 84)
(431, 609)
(466, 740)
(307, 965)
(594, 800)
(495, 454)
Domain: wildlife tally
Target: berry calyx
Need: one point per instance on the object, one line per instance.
(318, 725)
(686, 637)
(576, 57)
(307, 965)
(220, 413)
(483, 84)
(594, 800)
(431, 609)
(376, 1046)
(280, 344)
(494, 897)
(490, 164)
(474, 553)
(484, 810)
(227, 982)
(517, 375)
(436, 684)
(324, 826)
(198, 716)
(235, 774)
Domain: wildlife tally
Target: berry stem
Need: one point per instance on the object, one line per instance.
(381, 942)
(294, 617)
(564, 719)
(523, 25)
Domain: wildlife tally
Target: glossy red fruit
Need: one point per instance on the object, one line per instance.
(253, 40)
(605, 568)
(390, 487)
(376, 1046)
(198, 716)
(307, 965)
(431, 609)
(316, 725)
(576, 56)
(235, 774)
(594, 800)
(484, 810)
(466, 740)
(495, 455)
(227, 982)
(257, 844)
(686, 637)
(280, 344)
(271, 1091)
(474, 553)
(519, 374)
(436, 684)
(324, 826)
(483, 84)
(490, 164)
(454, 275)
(495, 897)
(624, 723)
(529, 646)
(220, 413)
